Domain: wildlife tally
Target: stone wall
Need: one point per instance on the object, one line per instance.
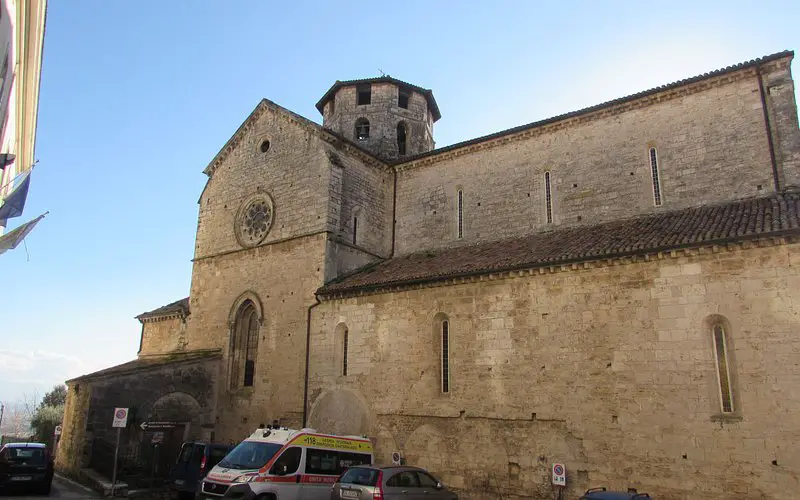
(178, 392)
(362, 191)
(711, 144)
(71, 446)
(163, 335)
(779, 93)
(608, 368)
(281, 279)
(294, 172)
(383, 114)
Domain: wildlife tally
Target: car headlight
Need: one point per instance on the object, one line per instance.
(245, 478)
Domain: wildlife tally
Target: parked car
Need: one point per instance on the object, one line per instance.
(194, 461)
(26, 466)
(603, 494)
(366, 482)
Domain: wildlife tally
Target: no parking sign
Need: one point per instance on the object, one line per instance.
(120, 417)
(559, 475)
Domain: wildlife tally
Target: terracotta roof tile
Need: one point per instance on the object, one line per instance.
(734, 221)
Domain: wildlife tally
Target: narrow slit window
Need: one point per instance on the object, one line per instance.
(723, 369)
(460, 215)
(445, 356)
(401, 138)
(656, 177)
(344, 352)
(355, 230)
(548, 198)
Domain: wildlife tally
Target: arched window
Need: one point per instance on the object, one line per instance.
(460, 214)
(723, 367)
(362, 129)
(244, 348)
(445, 354)
(401, 138)
(548, 198)
(344, 352)
(341, 338)
(654, 172)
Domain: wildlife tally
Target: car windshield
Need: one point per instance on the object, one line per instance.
(26, 455)
(250, 455)
(357, 475)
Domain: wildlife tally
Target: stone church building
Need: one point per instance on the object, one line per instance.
(616, 288)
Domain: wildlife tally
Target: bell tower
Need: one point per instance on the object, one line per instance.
(390, 118)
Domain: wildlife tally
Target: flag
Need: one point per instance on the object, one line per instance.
(11, 239)
(14, 203)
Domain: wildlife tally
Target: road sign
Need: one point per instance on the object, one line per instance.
(397, 459)
(57, 432)
(120, 417)
(559, 475)
(151, 426)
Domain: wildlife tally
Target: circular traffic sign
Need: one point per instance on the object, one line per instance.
(120, 413)
(558, 469)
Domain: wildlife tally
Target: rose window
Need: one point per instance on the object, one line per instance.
(254, 220)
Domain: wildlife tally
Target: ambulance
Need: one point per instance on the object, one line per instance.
(276, 463)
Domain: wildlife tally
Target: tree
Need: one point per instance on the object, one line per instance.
(49, 414)
(56, 397)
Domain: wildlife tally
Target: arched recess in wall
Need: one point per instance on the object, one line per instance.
(178, 407)
(426, 447)
(245, 320)
(724, 393)
(341, 411)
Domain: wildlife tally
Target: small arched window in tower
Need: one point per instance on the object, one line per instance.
(362, 129)
(723, 367)
(401, 138)
(244, 348)
(548, 198)
(403, 96)
(656, 177)
(445, 357)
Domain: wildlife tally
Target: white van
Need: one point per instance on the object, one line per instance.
(284, 464)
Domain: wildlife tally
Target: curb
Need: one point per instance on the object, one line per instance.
(73, 483)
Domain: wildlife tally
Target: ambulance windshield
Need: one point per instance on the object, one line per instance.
(250, 455)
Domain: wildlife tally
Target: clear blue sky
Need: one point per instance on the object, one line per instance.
(137, 97)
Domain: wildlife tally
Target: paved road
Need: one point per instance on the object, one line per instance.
(61, 489)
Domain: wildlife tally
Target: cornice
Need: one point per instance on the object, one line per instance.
(604, 110)
(537, 270)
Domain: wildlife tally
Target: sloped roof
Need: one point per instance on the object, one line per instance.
(428, 93)
(776, 215)
(179, 306)
(596, 107)
(147, 362)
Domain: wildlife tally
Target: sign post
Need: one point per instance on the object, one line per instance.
(120, 421)
(559, 478)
